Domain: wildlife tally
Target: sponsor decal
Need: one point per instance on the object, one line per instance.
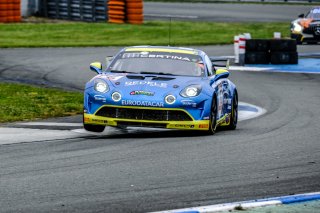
(114, 78)
(161, 56)
(227, 101)
(227, 119)
(142, 103)
(148, 83)
(188, 103)
(184, 126)
(203, 126)
(142, 93)
(100, 98)
(99, 121)
(206, 118)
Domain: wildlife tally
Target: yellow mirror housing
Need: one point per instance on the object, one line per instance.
(96, 67)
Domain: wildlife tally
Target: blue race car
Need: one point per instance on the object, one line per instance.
(160, 87)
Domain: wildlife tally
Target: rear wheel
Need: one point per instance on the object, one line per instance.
(213, 117)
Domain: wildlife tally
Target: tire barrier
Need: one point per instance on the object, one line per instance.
(76, 10)
(125, 11)
(116, 11)
(274, 51)
(284, 58)
(252, 57)
(10, 11)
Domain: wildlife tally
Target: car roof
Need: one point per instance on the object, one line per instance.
(168, 49)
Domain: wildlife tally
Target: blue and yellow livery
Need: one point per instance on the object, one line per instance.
(162, 87)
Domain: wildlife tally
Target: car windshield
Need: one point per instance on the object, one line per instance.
(160, 63)
(314, 13)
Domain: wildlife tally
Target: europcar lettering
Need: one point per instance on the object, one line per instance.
(142, 103)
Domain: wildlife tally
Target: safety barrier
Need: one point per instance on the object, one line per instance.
(130, 11)
(113, 11)
(78, 10)
(10, 11)
(265, 51)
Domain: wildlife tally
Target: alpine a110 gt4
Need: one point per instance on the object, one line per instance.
(160, 87)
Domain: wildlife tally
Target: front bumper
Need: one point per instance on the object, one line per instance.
(121, 122)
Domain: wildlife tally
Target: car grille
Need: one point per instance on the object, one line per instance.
(140, 124)
(144, 114)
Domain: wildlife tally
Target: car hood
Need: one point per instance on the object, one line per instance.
(160, 84)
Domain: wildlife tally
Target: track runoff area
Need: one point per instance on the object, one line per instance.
(299, 199)
(32, 131)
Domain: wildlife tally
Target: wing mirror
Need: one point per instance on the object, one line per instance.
(96, 67)
(221, 73)
(301, 16)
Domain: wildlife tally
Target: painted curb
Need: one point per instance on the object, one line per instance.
(249, 204)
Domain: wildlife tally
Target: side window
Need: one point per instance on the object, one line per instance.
(209, 65)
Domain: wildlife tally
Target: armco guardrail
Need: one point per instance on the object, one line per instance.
(79, 10)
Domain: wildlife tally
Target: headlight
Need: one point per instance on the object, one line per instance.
(101, 86)
(297, 27)
(170, 99)
(191, 91)
(116, 96)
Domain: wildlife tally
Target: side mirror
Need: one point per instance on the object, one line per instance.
(301, 16)
(221, 73)
(96, 67)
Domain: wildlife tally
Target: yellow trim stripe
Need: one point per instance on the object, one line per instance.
(187, 125)
(145, 49)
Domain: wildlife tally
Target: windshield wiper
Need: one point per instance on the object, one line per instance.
(156, 73)
(121, 71)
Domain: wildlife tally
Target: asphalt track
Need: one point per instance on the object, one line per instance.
(224, 12)
(272, 155)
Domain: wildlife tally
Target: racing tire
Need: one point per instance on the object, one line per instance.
(115, 7)
(93, 128)
(116, 21)
(137, 5)
(117, 3)
(116, 12)
(234, 114)
(257, 58)
(213, 117)
(284, 45)
(257, 45)
(284, 58)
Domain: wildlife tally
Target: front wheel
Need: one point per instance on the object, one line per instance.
(93, 128)
(213, 117)
(234, 114)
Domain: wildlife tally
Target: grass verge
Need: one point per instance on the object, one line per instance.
(23, 102)
(79, 34)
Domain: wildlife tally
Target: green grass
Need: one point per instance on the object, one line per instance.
(79, 34)
(23, 102)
